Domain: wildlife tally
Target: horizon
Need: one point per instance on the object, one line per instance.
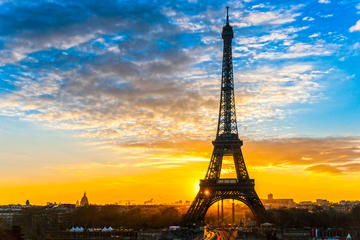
(179, 202)
(121, 99)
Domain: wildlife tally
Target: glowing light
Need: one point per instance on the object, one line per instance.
(207, 192)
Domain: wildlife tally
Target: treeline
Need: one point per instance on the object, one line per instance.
(318, 217)
(135, 217)
(164, 216)
(36, 223)
(11, 234)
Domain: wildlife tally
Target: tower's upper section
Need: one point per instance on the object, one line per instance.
(227, 126)
(227, 32)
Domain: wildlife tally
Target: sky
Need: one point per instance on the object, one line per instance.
(120, 98)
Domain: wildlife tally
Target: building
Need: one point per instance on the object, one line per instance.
(84, 201)
(322, 202)
(9, 215)
(271, 202)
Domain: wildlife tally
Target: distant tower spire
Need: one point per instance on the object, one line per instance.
(227, 125)
(227, 15)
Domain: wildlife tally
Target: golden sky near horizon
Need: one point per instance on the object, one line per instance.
(172, 173)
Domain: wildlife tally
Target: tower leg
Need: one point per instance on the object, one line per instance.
(197, 211)
(256, 206)
(233, 212)
(211, 193)
(222, 211)
(218, 213)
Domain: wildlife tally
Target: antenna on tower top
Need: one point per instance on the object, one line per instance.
(227, 15)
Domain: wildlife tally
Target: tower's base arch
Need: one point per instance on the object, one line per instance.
(229, 212)
(221, 189)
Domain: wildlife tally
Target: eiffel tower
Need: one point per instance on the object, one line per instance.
(227, 143)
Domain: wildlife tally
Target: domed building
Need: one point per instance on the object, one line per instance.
(84, 201)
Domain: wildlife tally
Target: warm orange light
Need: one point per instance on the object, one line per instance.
(207, 192)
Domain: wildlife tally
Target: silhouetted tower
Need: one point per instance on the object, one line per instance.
(227, 143)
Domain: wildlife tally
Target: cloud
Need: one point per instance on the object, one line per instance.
(326, 16)
(331, 155)
(300, 50)
(134, 81)
(280, 44)
(324, 168)
(356, 27)
(208, 21)
(310, 19)
(90, 169)
(125, 81)
(356, 46)
(114, 99)
(265, 92)
(324, 1)
(335, 169)
(29, 28)
(261, 5)
(272, 17)
(320, 155)
(314, 35)
(169, 163)
(87, 166)
(114, 103)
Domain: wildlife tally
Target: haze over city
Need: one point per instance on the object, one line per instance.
(120, 98)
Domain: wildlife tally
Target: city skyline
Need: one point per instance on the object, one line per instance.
(120, 99)
(280, 202)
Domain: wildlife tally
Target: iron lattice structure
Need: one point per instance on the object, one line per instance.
(227, 143)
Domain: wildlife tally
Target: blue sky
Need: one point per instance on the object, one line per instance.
(44, 44)
(106, 76)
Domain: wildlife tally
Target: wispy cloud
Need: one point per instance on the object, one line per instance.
(299, 50)
(335, 169)
(356, 27)
(271, 17)
(310, 19)
(330, 155)
(314, 35)
(320, 155)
